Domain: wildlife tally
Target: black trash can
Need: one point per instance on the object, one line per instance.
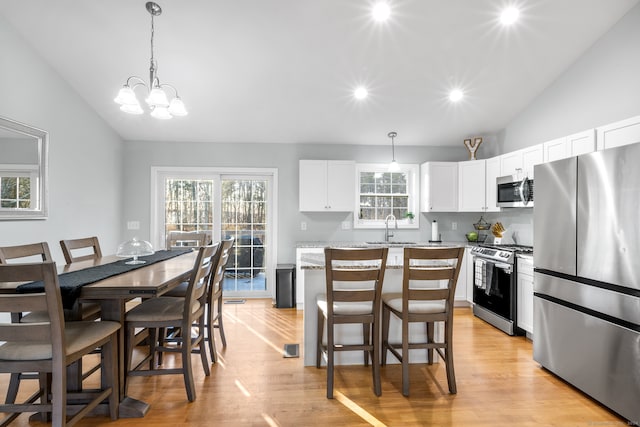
(285, 286)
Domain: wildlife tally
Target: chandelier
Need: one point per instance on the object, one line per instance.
(157, 99)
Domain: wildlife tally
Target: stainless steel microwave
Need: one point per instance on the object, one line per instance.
(514, 192)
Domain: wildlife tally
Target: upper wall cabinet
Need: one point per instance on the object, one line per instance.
(477, 185)
(620, 133)
(555, 149)
(582, 142)
(521, 161)
(531, 156)
(492, 171)
(439, 187)
(472, 186)
(572, 145)
(327, 185)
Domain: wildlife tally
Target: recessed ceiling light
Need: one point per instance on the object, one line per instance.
(456, 95)
(381, 11)
(509, 16)
(361, 92)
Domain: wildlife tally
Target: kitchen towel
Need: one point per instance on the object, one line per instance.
(479, 274)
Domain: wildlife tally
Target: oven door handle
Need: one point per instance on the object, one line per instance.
(503, 266)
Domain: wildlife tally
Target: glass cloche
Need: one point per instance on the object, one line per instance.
(134, 248)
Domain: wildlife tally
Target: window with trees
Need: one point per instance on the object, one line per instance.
(382, 193)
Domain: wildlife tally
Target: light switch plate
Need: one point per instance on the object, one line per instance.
(133, 225)
(346, 225)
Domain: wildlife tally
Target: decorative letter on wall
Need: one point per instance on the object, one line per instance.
(472, 147)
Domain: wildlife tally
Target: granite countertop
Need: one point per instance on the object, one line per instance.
(315, 260)
(390, 244)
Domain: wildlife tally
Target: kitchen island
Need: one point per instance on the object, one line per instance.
(311, 282)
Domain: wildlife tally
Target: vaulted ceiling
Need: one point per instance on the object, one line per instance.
(285, 70)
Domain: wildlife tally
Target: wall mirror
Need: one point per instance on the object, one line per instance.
(23, 171)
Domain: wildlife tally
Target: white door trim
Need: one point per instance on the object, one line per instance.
(158, 173)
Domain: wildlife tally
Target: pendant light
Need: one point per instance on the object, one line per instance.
(393, 166)
(157, 100)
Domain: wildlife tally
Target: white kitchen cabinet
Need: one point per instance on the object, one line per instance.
(556, 149)
(492, 171)
(439, 186)
(521, 162)
(572, 145)
(511, 163)
(531, 156)
(582, 142)
(468, 260)
(471, 186)
(619, 133)
(327, 185)
(460, 298)
(525, 293)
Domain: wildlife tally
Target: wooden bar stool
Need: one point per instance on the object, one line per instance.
(354, 283)
(429, 283)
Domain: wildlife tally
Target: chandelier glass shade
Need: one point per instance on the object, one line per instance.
(157, 99)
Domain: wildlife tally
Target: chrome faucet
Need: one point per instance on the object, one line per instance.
(387, 234)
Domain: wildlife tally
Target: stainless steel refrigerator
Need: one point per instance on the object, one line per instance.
(587, 274)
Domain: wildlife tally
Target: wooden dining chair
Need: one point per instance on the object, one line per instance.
(173, 312)
(30, 252)
(214, 299)
(213, 318)
(50, 346)
(89, 248)
(187, 239)
(429, 283)
(354, 280)
(85, 249)
(80, 311)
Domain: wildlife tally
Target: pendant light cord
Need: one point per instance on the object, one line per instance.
(392, 135)
(153, 69)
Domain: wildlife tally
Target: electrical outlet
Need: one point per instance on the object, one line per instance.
(454, 225)
(303, 226)
(346, 225)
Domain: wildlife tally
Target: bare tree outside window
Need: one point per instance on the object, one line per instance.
(15, 192)
(188, 205)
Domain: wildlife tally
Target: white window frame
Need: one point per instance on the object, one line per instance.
(413, 190)
(23, 171)
(158, 238)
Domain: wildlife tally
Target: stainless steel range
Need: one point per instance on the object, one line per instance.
(494, 290)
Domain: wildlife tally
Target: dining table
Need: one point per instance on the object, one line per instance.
(113, 293)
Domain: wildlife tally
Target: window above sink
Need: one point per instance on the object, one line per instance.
(380, 193)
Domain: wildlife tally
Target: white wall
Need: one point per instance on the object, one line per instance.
(139, 157)
(85, 155)
(602, 86)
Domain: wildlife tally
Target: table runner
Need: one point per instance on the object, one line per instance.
(70, 283)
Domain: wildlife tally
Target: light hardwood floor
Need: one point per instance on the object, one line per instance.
(499, 384)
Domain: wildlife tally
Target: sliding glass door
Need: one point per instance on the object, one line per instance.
(244, 217)
(225, 204)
